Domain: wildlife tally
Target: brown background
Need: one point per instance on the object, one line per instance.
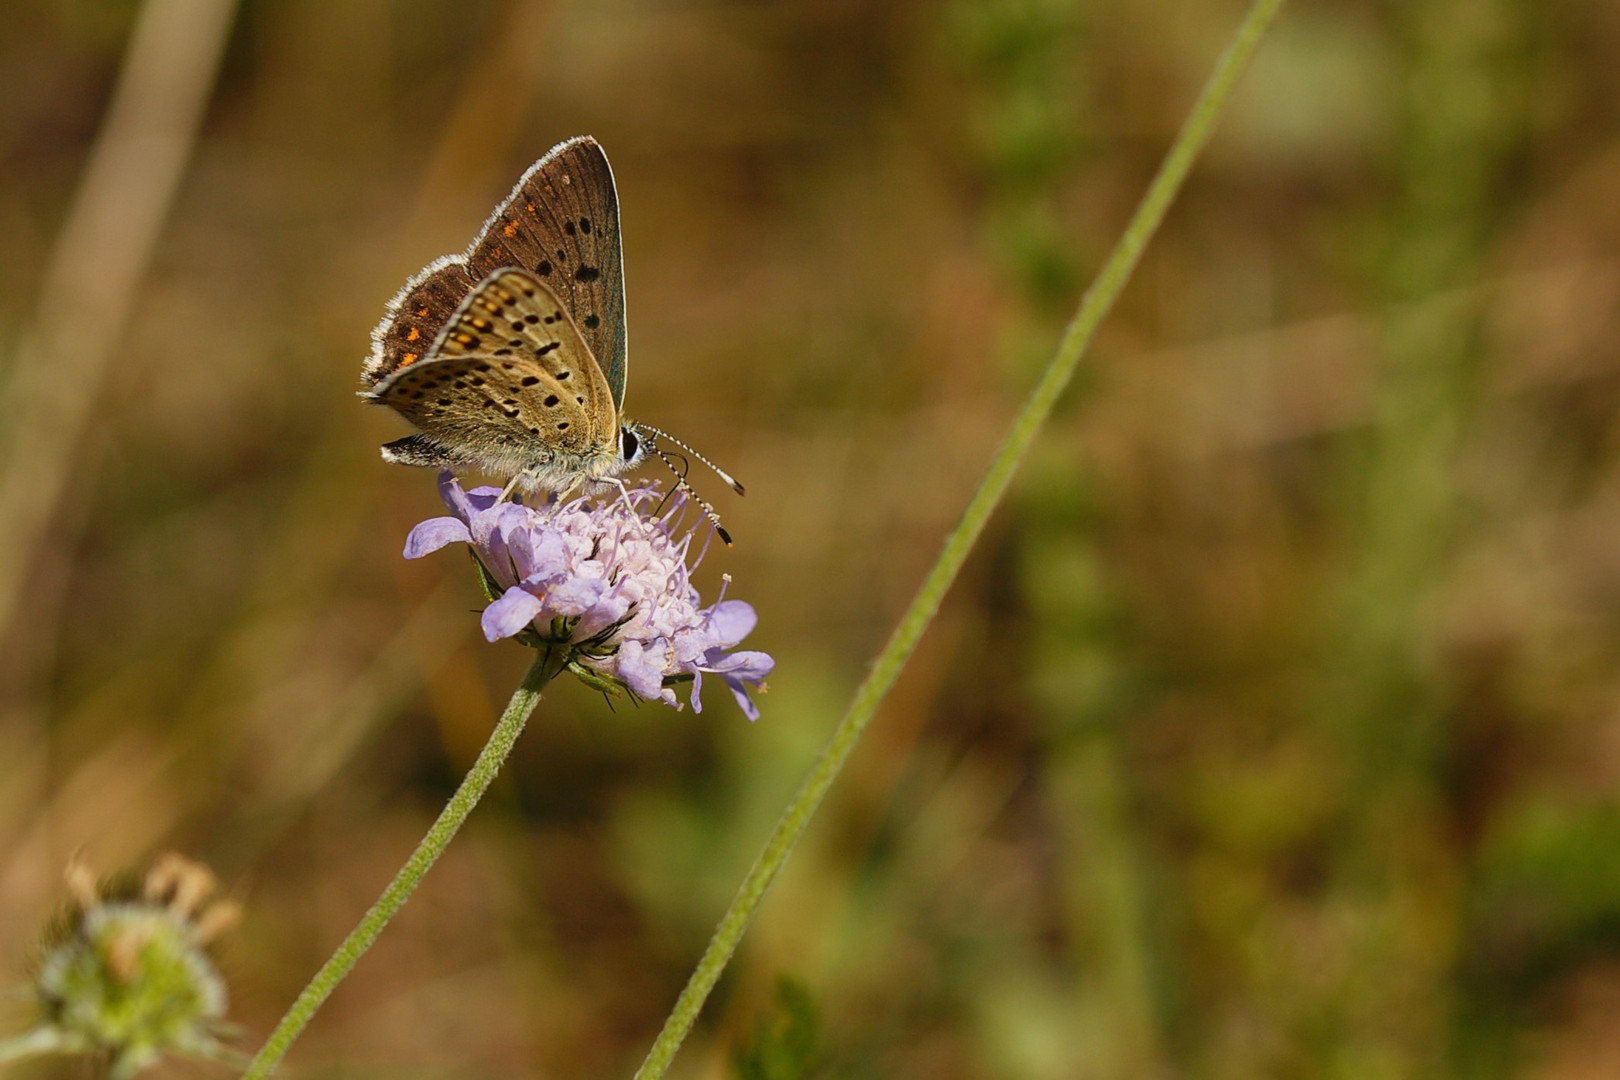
(1274, 729)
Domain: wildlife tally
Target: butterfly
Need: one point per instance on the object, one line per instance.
(511, 358)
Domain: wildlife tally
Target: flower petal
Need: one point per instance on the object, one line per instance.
(520, 550)
(604, 613)
(548, 555)
(455, 500)
(575, 595)
(642, 669)
(744, 702)
(489, 529)
(746, 666)
(739, 670)
(730, 621)
(433, 534)
(510, 614)
(693, 644)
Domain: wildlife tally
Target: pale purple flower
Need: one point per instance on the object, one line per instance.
(607, 578)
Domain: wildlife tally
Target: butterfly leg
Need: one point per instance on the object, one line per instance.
(562, 495)
(511, 484)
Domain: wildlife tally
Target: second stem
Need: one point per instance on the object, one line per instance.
(547, 663)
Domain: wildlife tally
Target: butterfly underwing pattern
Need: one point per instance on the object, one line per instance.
(511, 386)
(561, 223)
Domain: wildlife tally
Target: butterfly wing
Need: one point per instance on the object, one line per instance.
(561, 222)
(415, 316)
(510, 377)
(481, 412)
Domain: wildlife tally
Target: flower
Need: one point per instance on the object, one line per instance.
(125, 973)
(605, 579)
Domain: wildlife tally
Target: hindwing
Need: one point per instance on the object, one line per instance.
(509, 373)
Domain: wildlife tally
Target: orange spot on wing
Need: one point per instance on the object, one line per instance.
(413, 335)
(510, 230)
(409, 358)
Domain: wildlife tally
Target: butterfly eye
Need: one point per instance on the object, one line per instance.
(629, 444)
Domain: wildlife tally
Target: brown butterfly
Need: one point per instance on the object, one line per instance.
(511, 357)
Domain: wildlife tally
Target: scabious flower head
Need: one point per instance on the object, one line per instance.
(125, 974)
(609, 580)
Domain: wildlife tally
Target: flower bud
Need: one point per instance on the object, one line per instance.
(125, 975)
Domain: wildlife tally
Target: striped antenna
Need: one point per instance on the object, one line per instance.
(683, 486)
(718, 471)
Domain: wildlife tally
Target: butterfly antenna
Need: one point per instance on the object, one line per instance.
(680, 474)
(682, 486)
(718, 471)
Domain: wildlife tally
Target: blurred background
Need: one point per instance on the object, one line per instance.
(1273, 731)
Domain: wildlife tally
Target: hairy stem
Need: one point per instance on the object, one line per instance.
(547, 663)
(1094, 305)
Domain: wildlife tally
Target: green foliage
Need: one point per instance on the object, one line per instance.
(786, 1041)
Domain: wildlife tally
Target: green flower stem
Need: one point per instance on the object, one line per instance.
(547, 663)
(1094, 305)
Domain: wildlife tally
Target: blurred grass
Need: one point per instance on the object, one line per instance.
(1272, 733)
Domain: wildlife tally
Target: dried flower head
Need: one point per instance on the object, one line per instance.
(607, 579)
(125, 974)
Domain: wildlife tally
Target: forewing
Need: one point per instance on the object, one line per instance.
(561, 223)
(415, 316)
